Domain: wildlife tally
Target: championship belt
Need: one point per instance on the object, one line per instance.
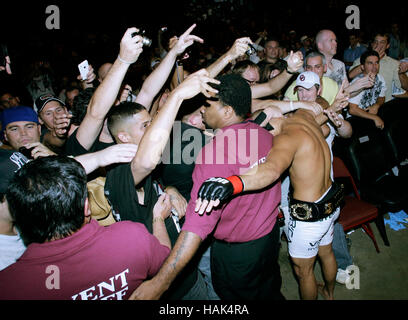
(311, 212)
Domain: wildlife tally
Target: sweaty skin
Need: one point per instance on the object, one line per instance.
(300, 144)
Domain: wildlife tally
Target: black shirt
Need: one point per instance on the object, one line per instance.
(178, 165)
(121, 192)
(74, 148)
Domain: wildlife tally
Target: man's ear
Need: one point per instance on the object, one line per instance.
(228, 111)
(123, 137)
(40, 120)
(87, 211)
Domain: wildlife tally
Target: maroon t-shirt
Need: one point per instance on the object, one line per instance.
(94, 263)
(247, 216)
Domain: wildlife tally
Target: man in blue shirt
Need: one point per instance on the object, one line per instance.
(354, 51)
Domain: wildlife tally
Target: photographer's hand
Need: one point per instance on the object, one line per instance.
(130, 47)
(239, 48)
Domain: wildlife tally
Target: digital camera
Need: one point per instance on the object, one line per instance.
(146, 41)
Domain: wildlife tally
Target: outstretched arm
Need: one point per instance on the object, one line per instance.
(184, 249)
(119, 153)
(106, 93)
(214, 190)
(155, 81)
(295, 62)
(238, 49)
(155, 138)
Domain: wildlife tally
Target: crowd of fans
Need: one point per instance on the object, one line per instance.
(94, 170)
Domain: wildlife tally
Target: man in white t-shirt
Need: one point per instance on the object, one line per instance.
(367, 103)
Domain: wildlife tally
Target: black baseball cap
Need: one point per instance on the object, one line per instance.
(10, 162)
(42, 100)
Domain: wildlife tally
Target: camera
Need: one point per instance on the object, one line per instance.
(251, 50)
(27, 152)
(146, 41)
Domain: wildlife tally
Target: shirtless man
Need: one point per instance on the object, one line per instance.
(300, 146)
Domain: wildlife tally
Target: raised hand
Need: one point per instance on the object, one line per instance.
(239, 48)
(90, 77)
(130, 47)
(186, 40)
(194, 84)
(62, 122)
(295, 61)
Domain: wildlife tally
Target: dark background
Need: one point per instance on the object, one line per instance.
(92, 30)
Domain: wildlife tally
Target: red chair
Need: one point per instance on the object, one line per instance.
(356, 212)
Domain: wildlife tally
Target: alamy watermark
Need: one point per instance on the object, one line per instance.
(353, 20)
(53, 20)
(353, 282)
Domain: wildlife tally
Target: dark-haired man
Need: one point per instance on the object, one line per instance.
(247, 70)
(130, 187)
(245, 251)
(22, 129)
(388, 67)
(367, 104)
(48, 202)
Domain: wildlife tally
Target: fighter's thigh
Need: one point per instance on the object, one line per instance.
(328, 237)
(304, 237)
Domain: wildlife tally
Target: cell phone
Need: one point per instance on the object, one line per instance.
(27, 152)
(3, 55)
(83, 69)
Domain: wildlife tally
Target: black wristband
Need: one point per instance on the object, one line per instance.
(289, 71)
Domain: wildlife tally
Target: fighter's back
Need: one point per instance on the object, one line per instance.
(311, 165)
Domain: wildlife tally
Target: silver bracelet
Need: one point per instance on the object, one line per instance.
(124, 61)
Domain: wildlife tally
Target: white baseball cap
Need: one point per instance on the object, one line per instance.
(307, 80)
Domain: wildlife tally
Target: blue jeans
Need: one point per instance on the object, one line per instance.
(198, 291)
(339, 246)
(205, 267)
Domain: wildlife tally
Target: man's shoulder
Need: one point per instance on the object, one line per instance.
(131, 226)
(327, 81)
(338, 62)
(390, 61)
